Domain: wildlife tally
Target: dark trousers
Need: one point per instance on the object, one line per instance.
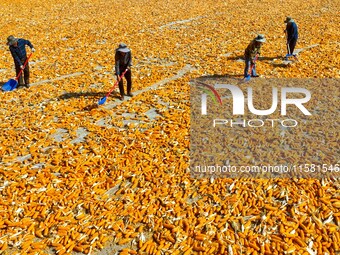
(128, 81)
(26, 73)
(291, 46)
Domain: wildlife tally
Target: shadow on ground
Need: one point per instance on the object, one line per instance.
(284, 65)
(81, 94)
(277, 61)
(241, 57)
(97, 96)
(235, 77)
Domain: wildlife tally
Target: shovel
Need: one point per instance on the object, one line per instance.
(289, 54)
(102, 100)
(13, 83)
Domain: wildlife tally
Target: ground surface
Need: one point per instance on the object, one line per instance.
(115, 179)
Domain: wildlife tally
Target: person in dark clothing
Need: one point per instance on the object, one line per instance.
(292, 36)
(253, 49)
(18, 51)
(123, 61)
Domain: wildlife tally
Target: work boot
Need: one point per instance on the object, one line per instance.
(255, 76)
(27, 85)
(129, 94)
(121, 98)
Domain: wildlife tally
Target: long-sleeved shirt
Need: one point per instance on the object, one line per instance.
(19, 52)
(122, 62)
(252, 50)
(292, 31)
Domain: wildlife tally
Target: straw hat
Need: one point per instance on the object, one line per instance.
(123, 48)
(288, 19)
(260, 38)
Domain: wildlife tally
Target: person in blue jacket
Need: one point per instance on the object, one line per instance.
(18, 50)
(292, 35)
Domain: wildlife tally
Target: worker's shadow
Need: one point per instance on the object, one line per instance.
(95, 95)
(281, 65)
(270, 60)
(261, 58)
(219, 78)
(81, 94)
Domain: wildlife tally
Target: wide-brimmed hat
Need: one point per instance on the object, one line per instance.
(260, 38)
(288, 19)
(11, 40)
(123, 48)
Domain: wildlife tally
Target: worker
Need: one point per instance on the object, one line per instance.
(292, 36)
(250, 55)
(123, 63)
(18, 50)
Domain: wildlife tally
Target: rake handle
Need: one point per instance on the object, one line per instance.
(252, 65)
(21, 70)
(114, 86)
(288, 47)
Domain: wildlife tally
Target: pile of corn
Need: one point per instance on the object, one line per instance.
(126, 188)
